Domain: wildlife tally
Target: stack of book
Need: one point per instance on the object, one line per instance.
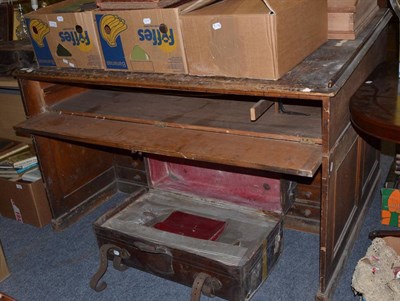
(17, 160)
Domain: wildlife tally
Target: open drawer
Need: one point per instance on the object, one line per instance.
(201, 127)
(218, 231)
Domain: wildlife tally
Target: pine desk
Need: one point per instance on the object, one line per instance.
(90, 128)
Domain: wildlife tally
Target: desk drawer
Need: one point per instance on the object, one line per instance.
(282, 156)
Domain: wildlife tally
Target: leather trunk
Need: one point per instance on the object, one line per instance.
(235, 264)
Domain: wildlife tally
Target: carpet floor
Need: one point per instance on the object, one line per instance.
(47, 265)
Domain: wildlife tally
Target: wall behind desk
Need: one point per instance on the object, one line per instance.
(11, 113)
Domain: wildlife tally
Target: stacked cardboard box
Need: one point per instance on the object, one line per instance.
(64, 35)
(142, 40)
(346, 18)
(23, 201)
(134, 4)
(233, 38)
(253, 38)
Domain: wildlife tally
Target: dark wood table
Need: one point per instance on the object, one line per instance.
(375, 110)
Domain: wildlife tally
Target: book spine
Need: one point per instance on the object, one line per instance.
(25, 163)
(26, 168)
(14, 151)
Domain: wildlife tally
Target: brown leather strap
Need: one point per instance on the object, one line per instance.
(198, 286)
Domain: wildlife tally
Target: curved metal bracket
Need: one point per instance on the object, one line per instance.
(119, 254)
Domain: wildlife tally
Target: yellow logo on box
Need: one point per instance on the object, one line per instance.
(110, 28)
(38, 30)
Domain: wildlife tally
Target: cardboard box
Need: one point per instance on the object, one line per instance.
(64, 35)
(141, 4)
(143, 40)
(346, 18)
(390, 212)
(390, 207)
(4, 271)
(25, 202)
(261, 39)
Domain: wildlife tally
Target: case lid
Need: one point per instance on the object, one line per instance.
(255, 189)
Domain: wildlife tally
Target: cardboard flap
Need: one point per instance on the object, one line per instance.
(227, 7)
(272, 12)
(196, 5)
(276, 6)
(68, 6)
(343, 5)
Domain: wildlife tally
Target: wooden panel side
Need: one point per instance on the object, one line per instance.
(342, 163)
(338, 236)
(352, 182)
(69, 172)
(345, 176)
(370, 157)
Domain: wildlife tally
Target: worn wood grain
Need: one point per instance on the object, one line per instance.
(215, 114)
(252, 152)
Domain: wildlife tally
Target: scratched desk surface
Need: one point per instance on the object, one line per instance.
(321, 74)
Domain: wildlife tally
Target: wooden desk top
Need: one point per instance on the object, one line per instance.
(375, 108)
(321, 74)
